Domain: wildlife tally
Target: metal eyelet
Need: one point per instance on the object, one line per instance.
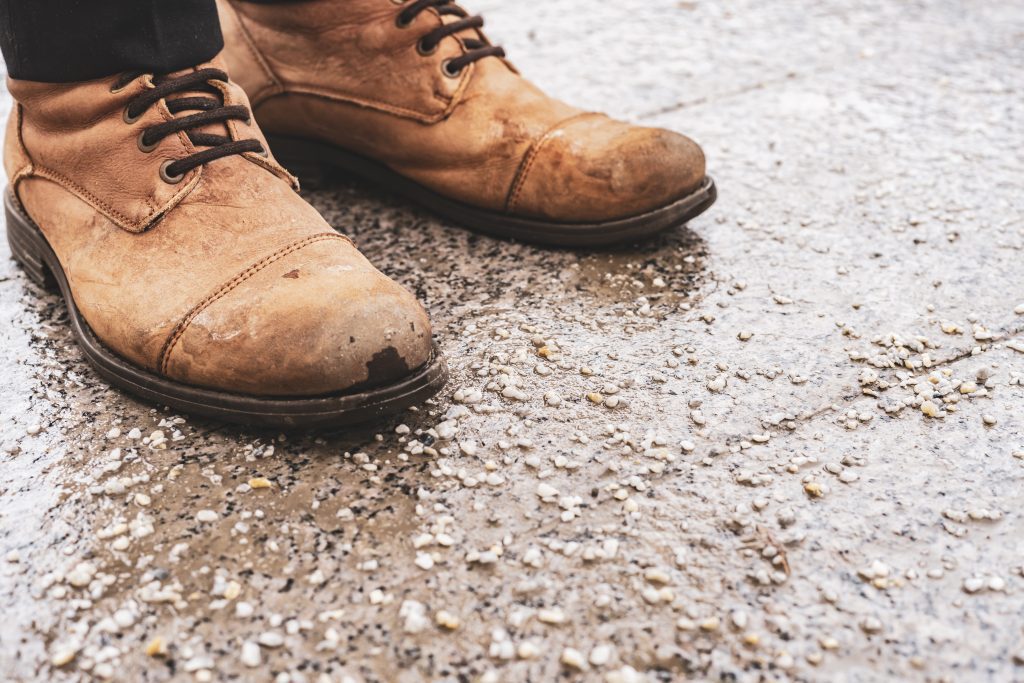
(167, 178)
(143, 147)
(264, 152)
(423, 51)
(128, 118)
(402, 24)
(448, 71)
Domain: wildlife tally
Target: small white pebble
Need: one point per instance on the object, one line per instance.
(871, 625)
(207, 516)
(250, 655)
(63, 655)
(551, 616)
(573, 658)
(271, 639)
(601, 655)
(528, 650)
(424, 561)
(447, 620)
(545, 490)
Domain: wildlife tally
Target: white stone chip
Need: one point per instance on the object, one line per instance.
(207, 516)
(250, 655)
(271, 639)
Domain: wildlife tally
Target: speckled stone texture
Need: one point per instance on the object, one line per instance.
(782, 443)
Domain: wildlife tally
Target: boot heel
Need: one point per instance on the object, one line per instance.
(26, 246)
(303, 160)
(311, 175)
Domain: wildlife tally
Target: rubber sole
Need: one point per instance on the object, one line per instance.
(31, 250)
(311, 161)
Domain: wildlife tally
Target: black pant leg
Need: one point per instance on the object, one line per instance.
(60, 41)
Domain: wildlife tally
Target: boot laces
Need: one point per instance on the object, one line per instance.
(476, 49)
(209, 110)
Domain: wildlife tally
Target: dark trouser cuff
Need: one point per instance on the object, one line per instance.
(62, 41)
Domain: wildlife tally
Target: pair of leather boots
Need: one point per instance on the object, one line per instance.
(194, 274)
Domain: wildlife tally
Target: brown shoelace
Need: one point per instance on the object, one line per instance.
(209, 110)
(475, 49)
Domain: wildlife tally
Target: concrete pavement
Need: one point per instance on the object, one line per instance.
(783, 443)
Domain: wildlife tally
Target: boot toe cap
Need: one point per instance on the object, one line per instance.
(593, 169)
(320, 321)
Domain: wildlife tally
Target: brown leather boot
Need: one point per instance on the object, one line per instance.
(412, 96)
(193, 273)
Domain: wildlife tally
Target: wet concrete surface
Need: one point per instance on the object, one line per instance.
(782, 443)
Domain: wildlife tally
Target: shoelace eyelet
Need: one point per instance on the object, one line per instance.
(143, 147)
(264, 152)
(423, 51)
(166, 177)
(128, 118)
(455, 22)
(208, 110)
(448, 71)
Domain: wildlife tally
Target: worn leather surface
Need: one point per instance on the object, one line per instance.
(227, 279)
(344, 73)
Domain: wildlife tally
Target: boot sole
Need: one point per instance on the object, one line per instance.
(310, 162)
(34, 254)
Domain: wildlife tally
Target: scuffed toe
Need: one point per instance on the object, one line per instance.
(320, 320)
(593, 169)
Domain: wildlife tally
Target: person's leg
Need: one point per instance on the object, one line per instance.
(417, 99)
(193, 272)
(61, 41)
